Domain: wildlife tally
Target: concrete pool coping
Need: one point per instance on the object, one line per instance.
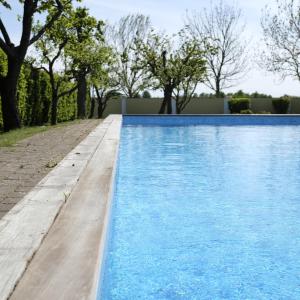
(50, 241)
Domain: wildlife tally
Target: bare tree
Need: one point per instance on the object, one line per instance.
(281, 30)
(222, 27)
(122, 38)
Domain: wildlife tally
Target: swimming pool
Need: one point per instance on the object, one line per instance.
(205, 210)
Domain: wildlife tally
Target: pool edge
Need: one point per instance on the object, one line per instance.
(28, 283)
(103, 244)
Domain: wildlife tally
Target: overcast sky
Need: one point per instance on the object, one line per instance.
(168, 15)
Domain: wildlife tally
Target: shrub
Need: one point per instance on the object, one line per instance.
(281, 105)
(246, 111)
(146, 95)
(238, 104)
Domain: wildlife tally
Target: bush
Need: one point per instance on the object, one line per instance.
(238, 104)
(146, 95)
(246, 111)
(281, 105)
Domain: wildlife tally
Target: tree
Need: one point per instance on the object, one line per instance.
(281, 30)
(49, 49)
(122, 38)
(85, 50)
(103, 83)
(240, 94)
(16, 53)
(195, 73)
(221, 24)
(259, 95)
(103, 95)
(172, 68)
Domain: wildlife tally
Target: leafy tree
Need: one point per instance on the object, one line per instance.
(259, 95)
(281, 30)
(103, 95)
(122, 37)
(85, 51)
(173, 68)
(240, 94)
(195, 71)
(104, 84)
(207, 95)
(16, 53)
(222, 25)
(21, 93)
(49, 50)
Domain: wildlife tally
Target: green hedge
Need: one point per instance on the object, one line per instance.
(237, 105)
(281, 105)
(34, 99)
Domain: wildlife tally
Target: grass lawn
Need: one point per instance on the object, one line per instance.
(12, 137)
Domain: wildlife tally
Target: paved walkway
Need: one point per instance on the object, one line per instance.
(24, 165)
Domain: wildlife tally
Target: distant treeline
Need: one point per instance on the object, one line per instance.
(238, 94)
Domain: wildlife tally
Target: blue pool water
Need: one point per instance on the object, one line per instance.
(205, 212)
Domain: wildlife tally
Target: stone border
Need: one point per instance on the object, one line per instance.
(27, 227)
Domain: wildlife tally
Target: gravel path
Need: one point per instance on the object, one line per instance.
(24, 165)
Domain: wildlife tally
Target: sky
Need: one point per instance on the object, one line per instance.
(168, 15)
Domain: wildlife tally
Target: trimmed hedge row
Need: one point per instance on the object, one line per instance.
(243, 105)
(281, 105)
(237, 105)
(34, 99)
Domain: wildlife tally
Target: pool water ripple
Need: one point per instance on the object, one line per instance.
(205, 212)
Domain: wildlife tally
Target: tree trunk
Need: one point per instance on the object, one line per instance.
(178, 108)
(81, 95)
(218, 91)
(167, 102)
(92, 108)
(168, 98)
(54, 103)
(100, 109)
(45, 112)
(8, 91)
(130, 94)
(163, 107)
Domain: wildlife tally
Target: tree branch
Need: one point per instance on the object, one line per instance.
(8, 50)
(49, 24)
(45, 69)
(4, 33)
(70, 91)
(60, 48)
